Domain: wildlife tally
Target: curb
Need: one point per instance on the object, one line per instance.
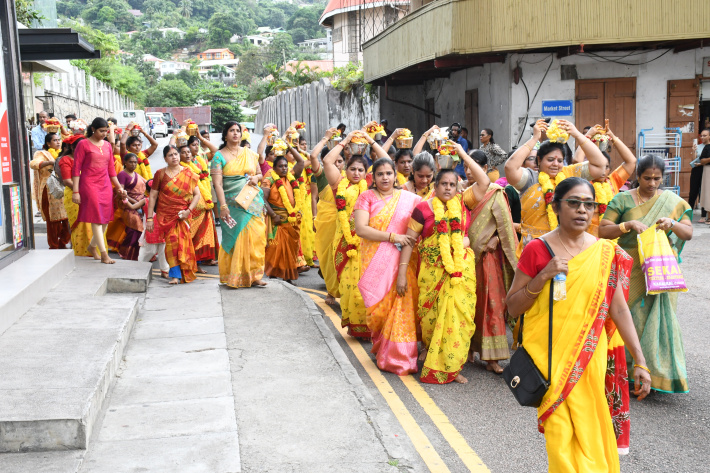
(392, 444)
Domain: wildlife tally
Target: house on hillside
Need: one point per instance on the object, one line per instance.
(222, 53)
(266, 31)
(178, 31)
(136, 13)
(155, 60)
(317, 44)
(235, 39)
(130, 33)
(496, 68)
(172, 67)
(353, 22)
(205, 67)
(258, 40)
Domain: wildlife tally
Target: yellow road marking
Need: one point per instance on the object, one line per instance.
(472, 461)
(419, 439)
(316, 291)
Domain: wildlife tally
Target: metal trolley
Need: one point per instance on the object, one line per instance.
(665, 145)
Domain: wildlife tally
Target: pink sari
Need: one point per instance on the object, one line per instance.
(390, 318)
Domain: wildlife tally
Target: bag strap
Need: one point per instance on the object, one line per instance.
(549, 335)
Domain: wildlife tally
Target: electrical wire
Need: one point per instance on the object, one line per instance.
(530, 102)
(606, 59)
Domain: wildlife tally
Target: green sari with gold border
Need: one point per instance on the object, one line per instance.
(654, 315)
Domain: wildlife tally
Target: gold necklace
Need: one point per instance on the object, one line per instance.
(638, 196)
(565, 246)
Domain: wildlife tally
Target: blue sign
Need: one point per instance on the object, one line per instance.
(556, 108)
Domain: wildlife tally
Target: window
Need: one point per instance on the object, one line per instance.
(337, 35)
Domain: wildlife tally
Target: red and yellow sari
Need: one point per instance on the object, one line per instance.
(390, 318)
(585, 412)
(176, 195)
(283, 238)
(494, 269)
(202, 227)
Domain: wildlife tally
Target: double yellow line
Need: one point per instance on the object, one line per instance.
(421, 442)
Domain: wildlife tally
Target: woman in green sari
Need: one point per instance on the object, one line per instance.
(627, 215)
(241, 254)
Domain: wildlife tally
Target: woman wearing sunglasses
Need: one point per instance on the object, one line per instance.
(585, 412)
(537, 187)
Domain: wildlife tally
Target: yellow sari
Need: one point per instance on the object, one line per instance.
(586, 406)
(242, 252)
(446, 311)
(326, 222)
(307, 234)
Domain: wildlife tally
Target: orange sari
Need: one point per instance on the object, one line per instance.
(283, 238)
(176, 195)
(390, 318)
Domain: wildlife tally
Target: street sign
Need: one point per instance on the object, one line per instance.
(556, 108)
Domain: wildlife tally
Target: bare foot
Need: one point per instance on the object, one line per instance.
(494, 366)
(304, 269)
(105, 259)
(460, 379)
(330, 300)
(200, 271)
(422, 355)
(174, 281)
(94, 252)
(258, 283)
(211, 263)
(164, 274)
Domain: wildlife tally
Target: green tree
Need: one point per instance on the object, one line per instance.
(223, 100)
(170, 93)
(185, 7)
(26, 13)
(251, 65)
(299, 35)
(280, 48)
(70, 8)
(98, 12)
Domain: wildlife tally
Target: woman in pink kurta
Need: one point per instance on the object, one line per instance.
(93, 173)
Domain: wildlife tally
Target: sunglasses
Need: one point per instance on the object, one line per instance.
(530, 158)
(589, 205)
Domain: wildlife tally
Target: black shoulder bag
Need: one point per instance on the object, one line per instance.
(521, 375)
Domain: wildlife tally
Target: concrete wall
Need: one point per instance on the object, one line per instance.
(73, 93)
(320, 106)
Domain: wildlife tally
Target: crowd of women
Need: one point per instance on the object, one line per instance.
(432, 266)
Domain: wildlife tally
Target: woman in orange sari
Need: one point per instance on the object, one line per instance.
(381, 217)
(346, 257)
(585, 412)
(176, 190)
(493, 241)
(280, 187)
(537, 187)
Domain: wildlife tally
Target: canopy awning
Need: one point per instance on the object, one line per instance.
(42, 44)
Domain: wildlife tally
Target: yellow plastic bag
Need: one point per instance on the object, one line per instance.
(658, 263)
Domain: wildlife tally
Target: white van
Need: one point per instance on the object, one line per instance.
(125, 117)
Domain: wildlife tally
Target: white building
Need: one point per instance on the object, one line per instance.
(178, 31)
(155, 60)
(353, 22)
(230, 64)
(258, 40)
(172, 67)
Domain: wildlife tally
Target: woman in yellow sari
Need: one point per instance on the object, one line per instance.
(447, 277)
(346, 244)
(655, 316)
(585, 413)
(308, 206)
(241, 254)
(537, 187)
(326, 219)
(381, 217)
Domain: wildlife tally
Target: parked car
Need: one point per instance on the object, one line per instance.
(125, 117)
(159, 126)
(170, 120)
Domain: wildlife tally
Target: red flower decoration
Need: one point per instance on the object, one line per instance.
(457, 274)
(340, 203)
(602, 209)
(301, 180)
(441, 227)
(350, 247)
(455, 225)
(292, 215)
(279, 183)
(548, 197)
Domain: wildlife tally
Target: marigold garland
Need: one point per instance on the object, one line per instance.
(401, 179)
(292, 211)
(204, 181)
(448, 226)
(345, 198)
(54, 152)
(143, 168)
(548, 190)
(604, 193)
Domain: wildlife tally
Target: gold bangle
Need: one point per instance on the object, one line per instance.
(528, 147)
(404, 264)
(622, 227)
(643, 368)
(533, 293)
(391, 237)
(525, 292)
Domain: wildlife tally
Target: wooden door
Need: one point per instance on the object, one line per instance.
(612, 99)
(471, 117)
(683, 112)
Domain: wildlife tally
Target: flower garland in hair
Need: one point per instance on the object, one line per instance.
(292, 211)
(345, 198)
(203, 183)
(448, 226)
(548, 190)
(604, 194)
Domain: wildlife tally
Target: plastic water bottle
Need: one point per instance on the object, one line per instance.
(560, 290)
